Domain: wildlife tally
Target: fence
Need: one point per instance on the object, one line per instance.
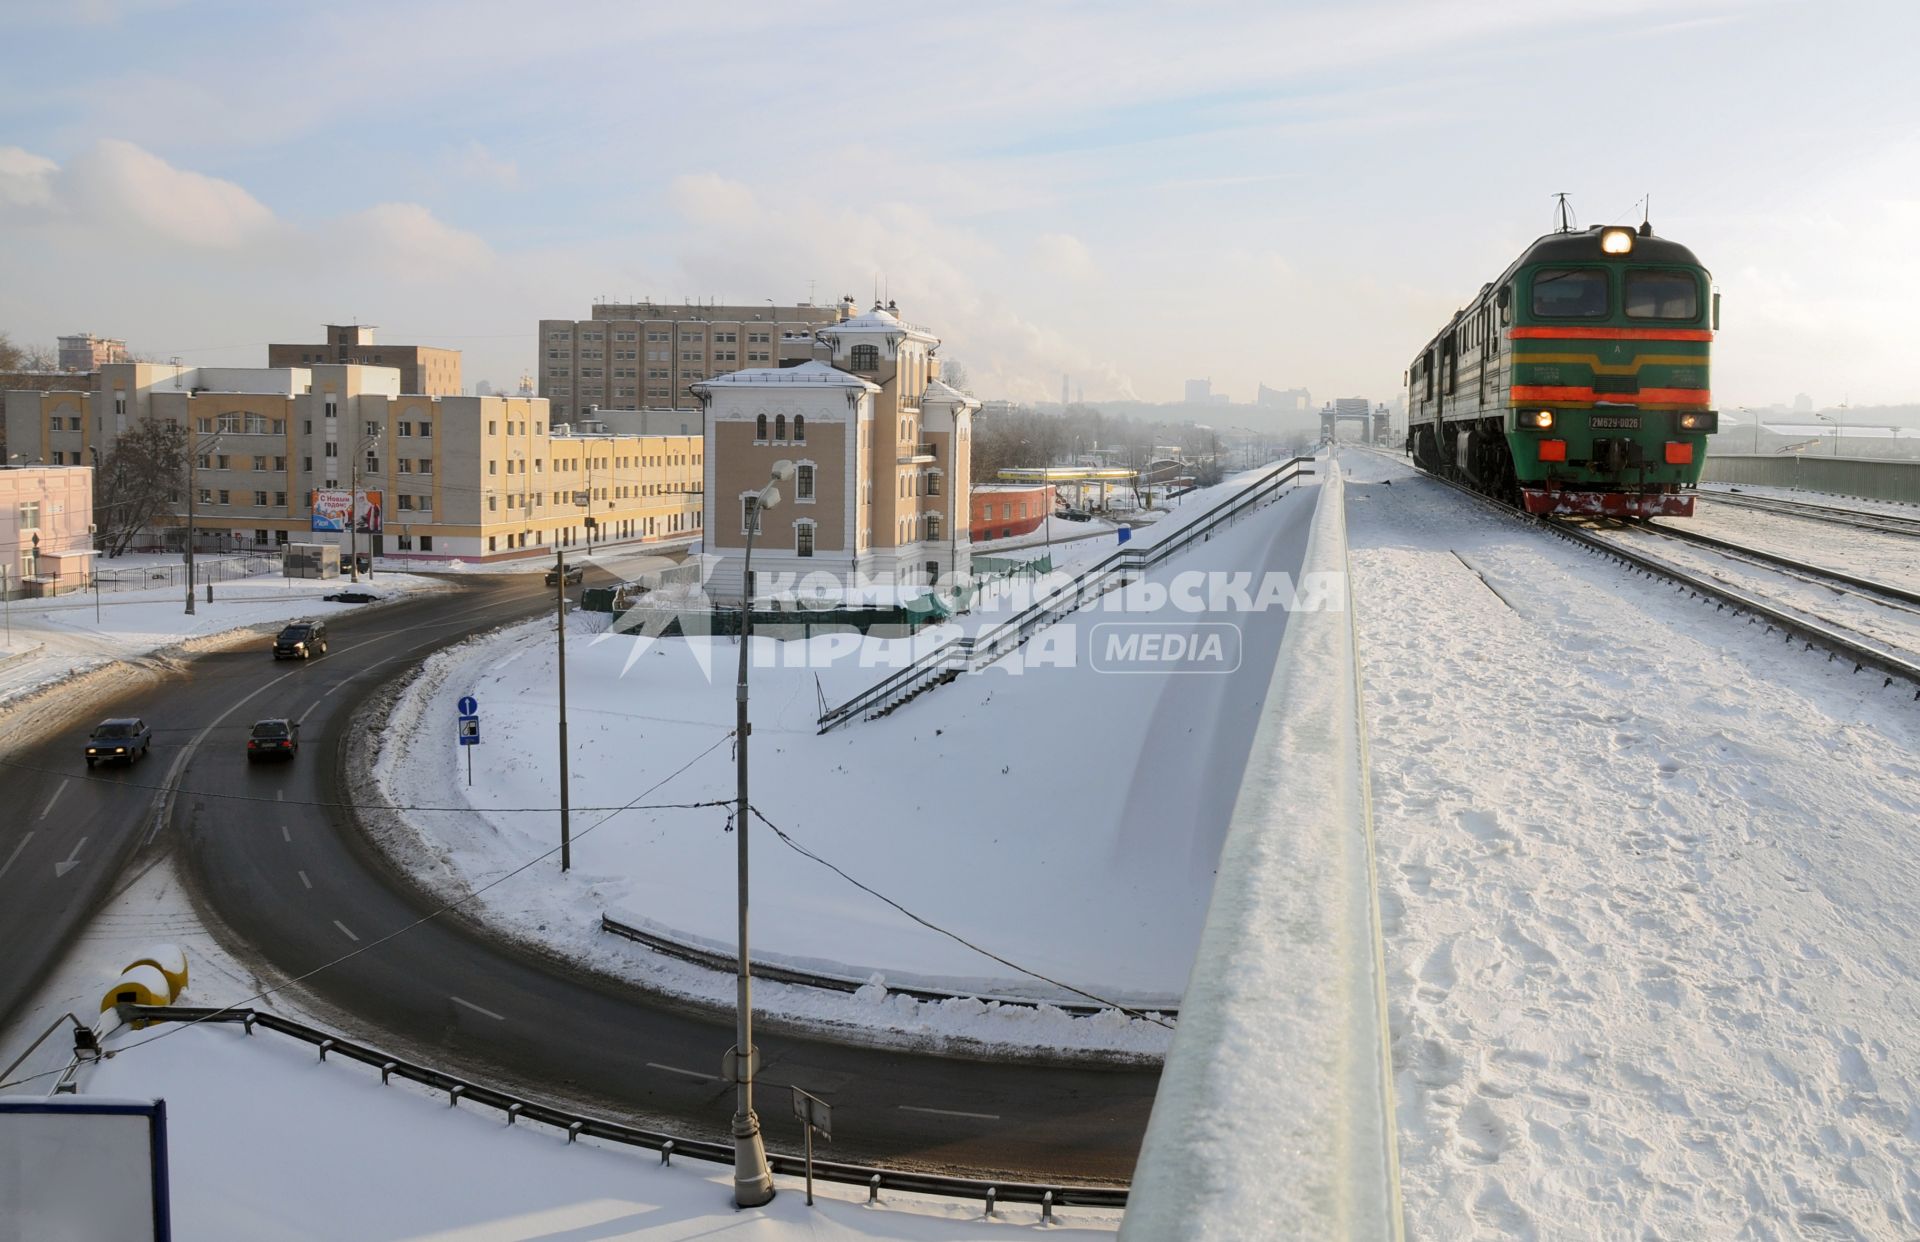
(1870, 478)
(575, 1125)
(151, 576)
(965, 654)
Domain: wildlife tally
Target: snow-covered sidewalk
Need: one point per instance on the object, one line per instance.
(1651, 896)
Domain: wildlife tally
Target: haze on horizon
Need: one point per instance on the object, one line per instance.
(1296, 194)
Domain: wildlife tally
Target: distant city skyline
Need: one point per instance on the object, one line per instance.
(1287, 195)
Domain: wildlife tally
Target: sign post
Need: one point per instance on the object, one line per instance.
(469, 731)
(815, 1114)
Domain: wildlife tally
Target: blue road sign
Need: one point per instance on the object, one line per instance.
(469, 730)
(469, 706)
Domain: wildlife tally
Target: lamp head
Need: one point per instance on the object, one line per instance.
(770, 499)
(783, 470)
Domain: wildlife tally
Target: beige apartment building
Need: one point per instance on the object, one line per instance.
(636, 355)
(423, 368)
(46, 540)
(478, 478)
(83, 351)
(882, 454)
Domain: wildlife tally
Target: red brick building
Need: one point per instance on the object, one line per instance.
(1003, 510)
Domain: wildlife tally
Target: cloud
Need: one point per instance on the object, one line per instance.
(407, 239)
(474, 162)
(1063, 255)
(26, 179)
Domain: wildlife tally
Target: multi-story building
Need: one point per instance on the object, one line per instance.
(1003, 510)
(86, 352)
(881, 449)
(636, 355)
(46, 542)
(477, 478)
(423, 368)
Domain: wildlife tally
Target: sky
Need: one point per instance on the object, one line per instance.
(1295, 194)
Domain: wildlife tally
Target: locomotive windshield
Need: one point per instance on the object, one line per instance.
(1570, 293)
(1662, 295)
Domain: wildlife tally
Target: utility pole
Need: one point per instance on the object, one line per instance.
(193, 496)
(560, 628)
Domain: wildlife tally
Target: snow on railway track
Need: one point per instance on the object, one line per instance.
(1863, 519)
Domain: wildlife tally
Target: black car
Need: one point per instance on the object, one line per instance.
(352, 595)
(1074, 515)
(121, 738)
(575, 575)
(301, 640)
(275, 738)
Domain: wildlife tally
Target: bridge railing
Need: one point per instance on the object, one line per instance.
(1870, 478)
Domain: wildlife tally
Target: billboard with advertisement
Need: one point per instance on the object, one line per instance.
(332, 505)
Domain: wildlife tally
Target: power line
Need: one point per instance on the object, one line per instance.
(954, 936)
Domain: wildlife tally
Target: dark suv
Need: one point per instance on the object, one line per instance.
(121, 738)
(301, 640)
(273, 738)
(575, 575)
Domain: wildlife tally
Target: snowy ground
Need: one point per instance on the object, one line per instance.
(1808, 496)
(266, 1142)
(1884, 557)
(1064, 817)
(54, 639)
(1650, 896)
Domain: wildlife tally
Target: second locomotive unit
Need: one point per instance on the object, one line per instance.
(1576, 383)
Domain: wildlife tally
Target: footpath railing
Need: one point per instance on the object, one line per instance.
(1870, 478)
(969, 653)
(575, 1125)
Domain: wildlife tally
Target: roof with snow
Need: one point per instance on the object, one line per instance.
(806, 375)
(877, 320)
(940, 390)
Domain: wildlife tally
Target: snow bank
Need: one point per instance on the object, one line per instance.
(1274, 1115)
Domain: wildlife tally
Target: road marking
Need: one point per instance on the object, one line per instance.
(304, 880)
(16, 852)
(56, 797)
(70, 862)
(310, 709)
(285, 835)
(343, 927)
(477, 1009)
(674, 1069)
(279, 796)
(949, 1112)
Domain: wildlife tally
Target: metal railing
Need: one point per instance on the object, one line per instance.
(575, 1125)
(1870, 478)
(966, 654)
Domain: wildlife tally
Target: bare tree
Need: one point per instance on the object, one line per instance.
(953, 374)
(12, 357)
(140, 477)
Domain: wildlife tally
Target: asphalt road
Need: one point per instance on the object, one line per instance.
(287, 873)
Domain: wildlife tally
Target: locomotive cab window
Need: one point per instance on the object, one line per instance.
(1662, 295)
(1570, 293)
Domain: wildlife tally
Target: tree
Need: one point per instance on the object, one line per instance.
(142, 474)
(953, 374)
(12, 357)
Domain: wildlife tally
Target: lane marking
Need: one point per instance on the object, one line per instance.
(348, 930)
(56, 797)
(16, 852)
(70, 861)
(310, 710)
(279, 796)
(949, 1112)
(285, 835)
(674, 1069)
(477, 1009)
(304, 880)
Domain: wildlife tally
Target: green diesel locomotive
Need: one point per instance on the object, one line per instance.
(1576, 383)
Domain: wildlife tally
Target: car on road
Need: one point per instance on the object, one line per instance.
(118, 738)
(575, 575)
(301, 640)
(273, 738)
(352, 595)
(1075, 515)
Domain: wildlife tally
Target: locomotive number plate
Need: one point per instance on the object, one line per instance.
(1614, 422)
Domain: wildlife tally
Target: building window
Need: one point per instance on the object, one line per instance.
(803, 483)
(780, 427)
(760, 429)
(749, 514)
(933, 482)
(803, 538)
(799, 428)
(866, 357)
(933, 525)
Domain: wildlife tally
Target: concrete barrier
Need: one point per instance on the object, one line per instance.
(1870, 478)
(1274, 1117)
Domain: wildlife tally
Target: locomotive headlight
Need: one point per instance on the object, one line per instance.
(1616, 241)
(1696, 422)
(1539, 420)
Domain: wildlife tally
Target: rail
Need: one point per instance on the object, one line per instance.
(1864, 519)
(574, 1125)
(1811, 632)
(966, 654)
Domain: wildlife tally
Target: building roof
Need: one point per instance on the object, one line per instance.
(806, 375)
(940, 390)
(879, 320)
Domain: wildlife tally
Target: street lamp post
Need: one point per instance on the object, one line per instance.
(193, 494)
(752, 1179)
(353, 507)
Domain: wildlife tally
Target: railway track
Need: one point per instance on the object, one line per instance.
(1889, 523)
(1816, 633)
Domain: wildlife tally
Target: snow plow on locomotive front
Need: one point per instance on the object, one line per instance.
(1576, 383)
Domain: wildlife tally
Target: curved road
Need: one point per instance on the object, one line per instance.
(289, 875)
